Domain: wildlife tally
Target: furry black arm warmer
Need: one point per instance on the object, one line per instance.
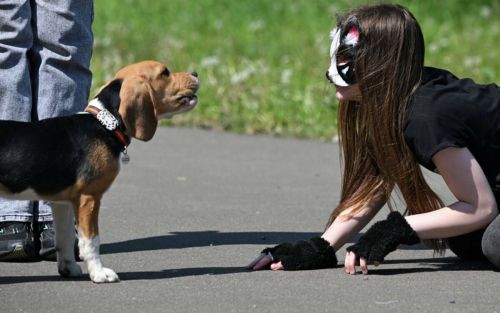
(314, 253)
(384, 237)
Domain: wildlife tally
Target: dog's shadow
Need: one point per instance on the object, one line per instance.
(126, 276)
(176, 240)
(423, 265)
(181, 240)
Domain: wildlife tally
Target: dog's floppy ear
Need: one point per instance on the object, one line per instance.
(137, 108)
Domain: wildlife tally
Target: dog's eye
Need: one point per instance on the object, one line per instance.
(165, 72)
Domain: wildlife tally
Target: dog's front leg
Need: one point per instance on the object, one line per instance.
(65, 240)
(88, 231)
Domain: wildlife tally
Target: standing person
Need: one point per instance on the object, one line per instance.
(45, 51)
(395, 115)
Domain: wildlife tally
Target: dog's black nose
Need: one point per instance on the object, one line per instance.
(195, 74)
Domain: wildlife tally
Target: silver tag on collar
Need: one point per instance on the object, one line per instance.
(125, 157)
(107, 119)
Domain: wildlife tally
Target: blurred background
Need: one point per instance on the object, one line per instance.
(262, 63)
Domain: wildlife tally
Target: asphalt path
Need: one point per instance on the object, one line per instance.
(194, 207)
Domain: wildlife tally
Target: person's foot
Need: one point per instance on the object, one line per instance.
(47, 242)
(17, 242)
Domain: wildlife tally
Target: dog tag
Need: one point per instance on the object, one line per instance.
(125, 157)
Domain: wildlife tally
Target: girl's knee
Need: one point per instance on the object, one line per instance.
(491, 242)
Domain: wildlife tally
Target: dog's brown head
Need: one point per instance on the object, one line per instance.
(150, 92)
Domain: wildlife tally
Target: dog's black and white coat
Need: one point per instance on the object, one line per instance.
(44, 158)
(71, 161)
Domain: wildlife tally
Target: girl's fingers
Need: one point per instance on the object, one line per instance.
(350, 263)
(364, 266)
(277, 266)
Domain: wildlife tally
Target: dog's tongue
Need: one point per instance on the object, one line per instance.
(193, 101)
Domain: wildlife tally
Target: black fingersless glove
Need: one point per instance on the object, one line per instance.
(314, 253)
(384, 237)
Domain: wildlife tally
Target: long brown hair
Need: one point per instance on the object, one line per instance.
(375, 156)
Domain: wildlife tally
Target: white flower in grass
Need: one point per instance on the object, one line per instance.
(286, 75)
(472, 61)
(218, 24)
(243, 75)
(210, 61)
(173, 42)
(256, 25)
(433, 48)
(485, 12)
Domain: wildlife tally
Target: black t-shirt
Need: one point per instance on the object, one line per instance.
(450, 112)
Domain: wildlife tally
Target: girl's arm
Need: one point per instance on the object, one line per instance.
(476, 206)
(343, 229)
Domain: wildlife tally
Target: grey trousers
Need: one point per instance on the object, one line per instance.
(45, 51)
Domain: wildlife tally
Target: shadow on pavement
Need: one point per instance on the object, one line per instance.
(182, 272)
(180, 240)
(420, 266)
(124, 276)
(432, 265)
(7, 280)
(426, 265)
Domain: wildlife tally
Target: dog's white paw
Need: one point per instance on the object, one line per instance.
(68, 268)
(104, 275)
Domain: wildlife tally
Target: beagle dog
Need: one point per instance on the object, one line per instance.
(71, 161)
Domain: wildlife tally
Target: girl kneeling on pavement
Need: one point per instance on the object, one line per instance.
(394, 115)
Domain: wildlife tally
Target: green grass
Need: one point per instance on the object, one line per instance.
(262, 62)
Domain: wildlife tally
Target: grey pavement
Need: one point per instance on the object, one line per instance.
(193, 207)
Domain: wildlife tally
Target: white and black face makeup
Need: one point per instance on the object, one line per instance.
(343, 50)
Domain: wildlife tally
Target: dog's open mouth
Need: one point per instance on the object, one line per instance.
(189, 101)
(186, 103)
